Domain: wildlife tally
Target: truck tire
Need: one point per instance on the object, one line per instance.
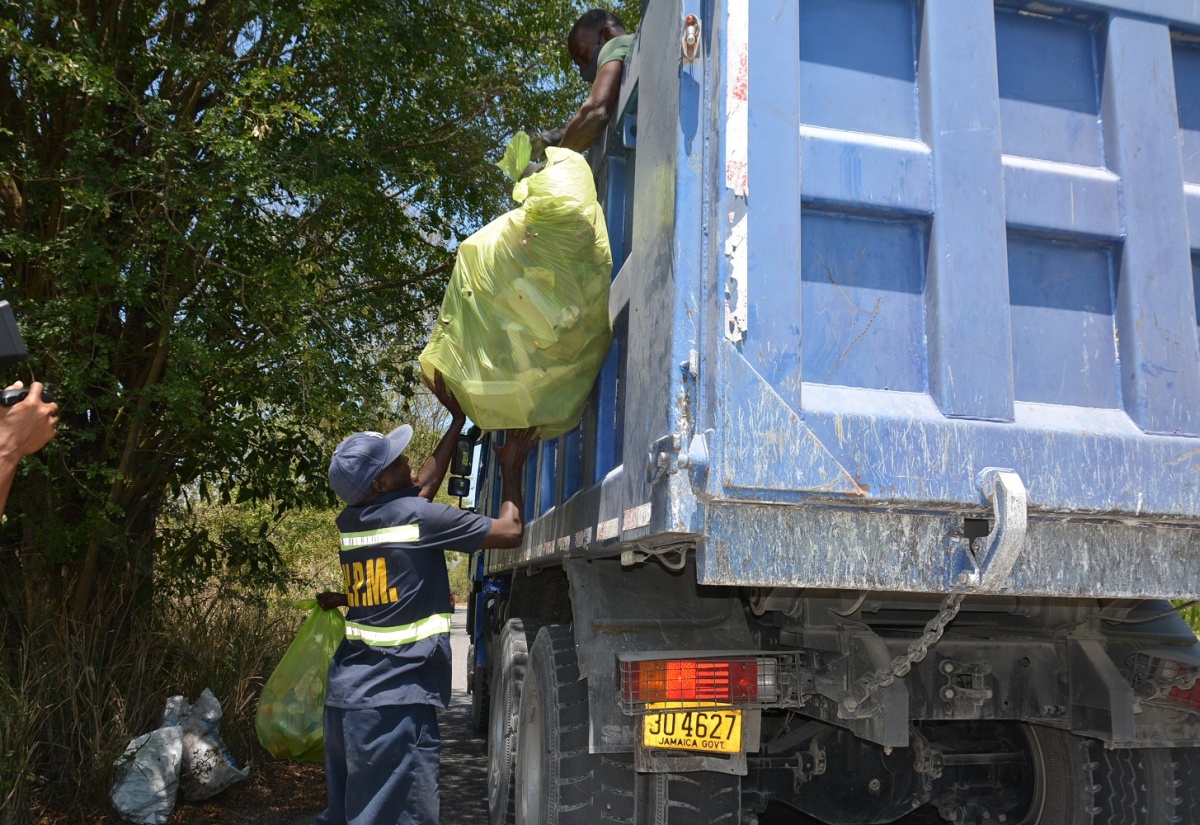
(1083, 783)
(508, 674)
(559, 782)
(1185, 781)
(696, 798)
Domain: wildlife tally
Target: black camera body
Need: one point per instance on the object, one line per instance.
(12, 351)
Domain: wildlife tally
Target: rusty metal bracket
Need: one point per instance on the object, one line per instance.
(689, 40)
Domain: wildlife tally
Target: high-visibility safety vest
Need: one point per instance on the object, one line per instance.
(365, 575)
(400, 634)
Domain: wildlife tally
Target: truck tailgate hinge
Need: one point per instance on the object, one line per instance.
(666, 456)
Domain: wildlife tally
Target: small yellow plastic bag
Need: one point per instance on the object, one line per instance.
(290, 719)
(524, 326)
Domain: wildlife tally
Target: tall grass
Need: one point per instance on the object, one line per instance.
(72, 696)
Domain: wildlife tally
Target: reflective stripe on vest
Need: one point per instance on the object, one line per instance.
(405, 533)
(401, 634)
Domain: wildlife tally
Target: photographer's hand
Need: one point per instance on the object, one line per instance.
(25, 428)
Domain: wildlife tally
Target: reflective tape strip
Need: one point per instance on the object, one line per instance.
(401, 634)
(406, 533)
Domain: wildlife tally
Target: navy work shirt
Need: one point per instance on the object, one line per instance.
(397, 647)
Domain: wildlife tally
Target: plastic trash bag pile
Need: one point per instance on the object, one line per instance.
(290, 719)
(524, 326)
(185, 753)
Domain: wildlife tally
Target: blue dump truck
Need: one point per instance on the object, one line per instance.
(883, 494)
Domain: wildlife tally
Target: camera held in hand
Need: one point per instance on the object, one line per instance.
(12, 351)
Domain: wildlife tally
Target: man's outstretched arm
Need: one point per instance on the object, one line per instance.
(433, 472)
(594, 115)
(508, 527)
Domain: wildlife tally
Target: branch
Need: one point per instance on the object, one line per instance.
(392, 285)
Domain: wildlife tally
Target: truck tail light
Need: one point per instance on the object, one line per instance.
(736, 681)
(1152, 675)
(1186, 698)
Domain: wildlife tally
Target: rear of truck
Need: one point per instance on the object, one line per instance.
(895, 462)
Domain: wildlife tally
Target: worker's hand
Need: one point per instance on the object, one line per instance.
(531, 169)
(330, 600)
(538, 142)
(28, 425)
(516, 448)
(442, 393)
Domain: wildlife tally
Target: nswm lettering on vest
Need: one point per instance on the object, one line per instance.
(367, 583)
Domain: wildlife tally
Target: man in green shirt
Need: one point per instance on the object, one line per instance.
(598, 45)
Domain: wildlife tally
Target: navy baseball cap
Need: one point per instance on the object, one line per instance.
(359, 460)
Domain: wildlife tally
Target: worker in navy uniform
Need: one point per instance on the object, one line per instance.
(392, 672)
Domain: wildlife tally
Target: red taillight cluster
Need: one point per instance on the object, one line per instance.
(1150, 672)
(1188, 699)
(733, 681)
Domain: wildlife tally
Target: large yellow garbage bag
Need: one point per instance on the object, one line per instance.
(524, 326)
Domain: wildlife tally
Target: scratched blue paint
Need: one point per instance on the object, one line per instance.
(1187, 97)
(970, 352)
(1182, 12)
(1049, 99)
(1062, 201)
(773, 335)
(1159, 361)
(858, 64)
(846, 170)
(1016, 208)
(862, 293)
(1064, 345)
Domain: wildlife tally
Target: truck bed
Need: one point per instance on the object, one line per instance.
(906, 300)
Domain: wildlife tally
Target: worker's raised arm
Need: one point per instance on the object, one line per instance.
(433, 472)
(508, 528)
(594, 115)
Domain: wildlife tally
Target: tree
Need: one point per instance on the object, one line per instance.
(224, 225)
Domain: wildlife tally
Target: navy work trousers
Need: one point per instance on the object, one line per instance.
(381, 766)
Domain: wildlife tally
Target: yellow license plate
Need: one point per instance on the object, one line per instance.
(718, 730)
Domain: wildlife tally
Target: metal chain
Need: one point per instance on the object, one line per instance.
(863, 689)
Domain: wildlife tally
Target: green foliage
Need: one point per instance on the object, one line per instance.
(458, 566)
(1190, 613)
(224, 227)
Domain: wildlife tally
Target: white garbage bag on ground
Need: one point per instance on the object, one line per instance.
(207, 767)
(147, 776)
(186, 751)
